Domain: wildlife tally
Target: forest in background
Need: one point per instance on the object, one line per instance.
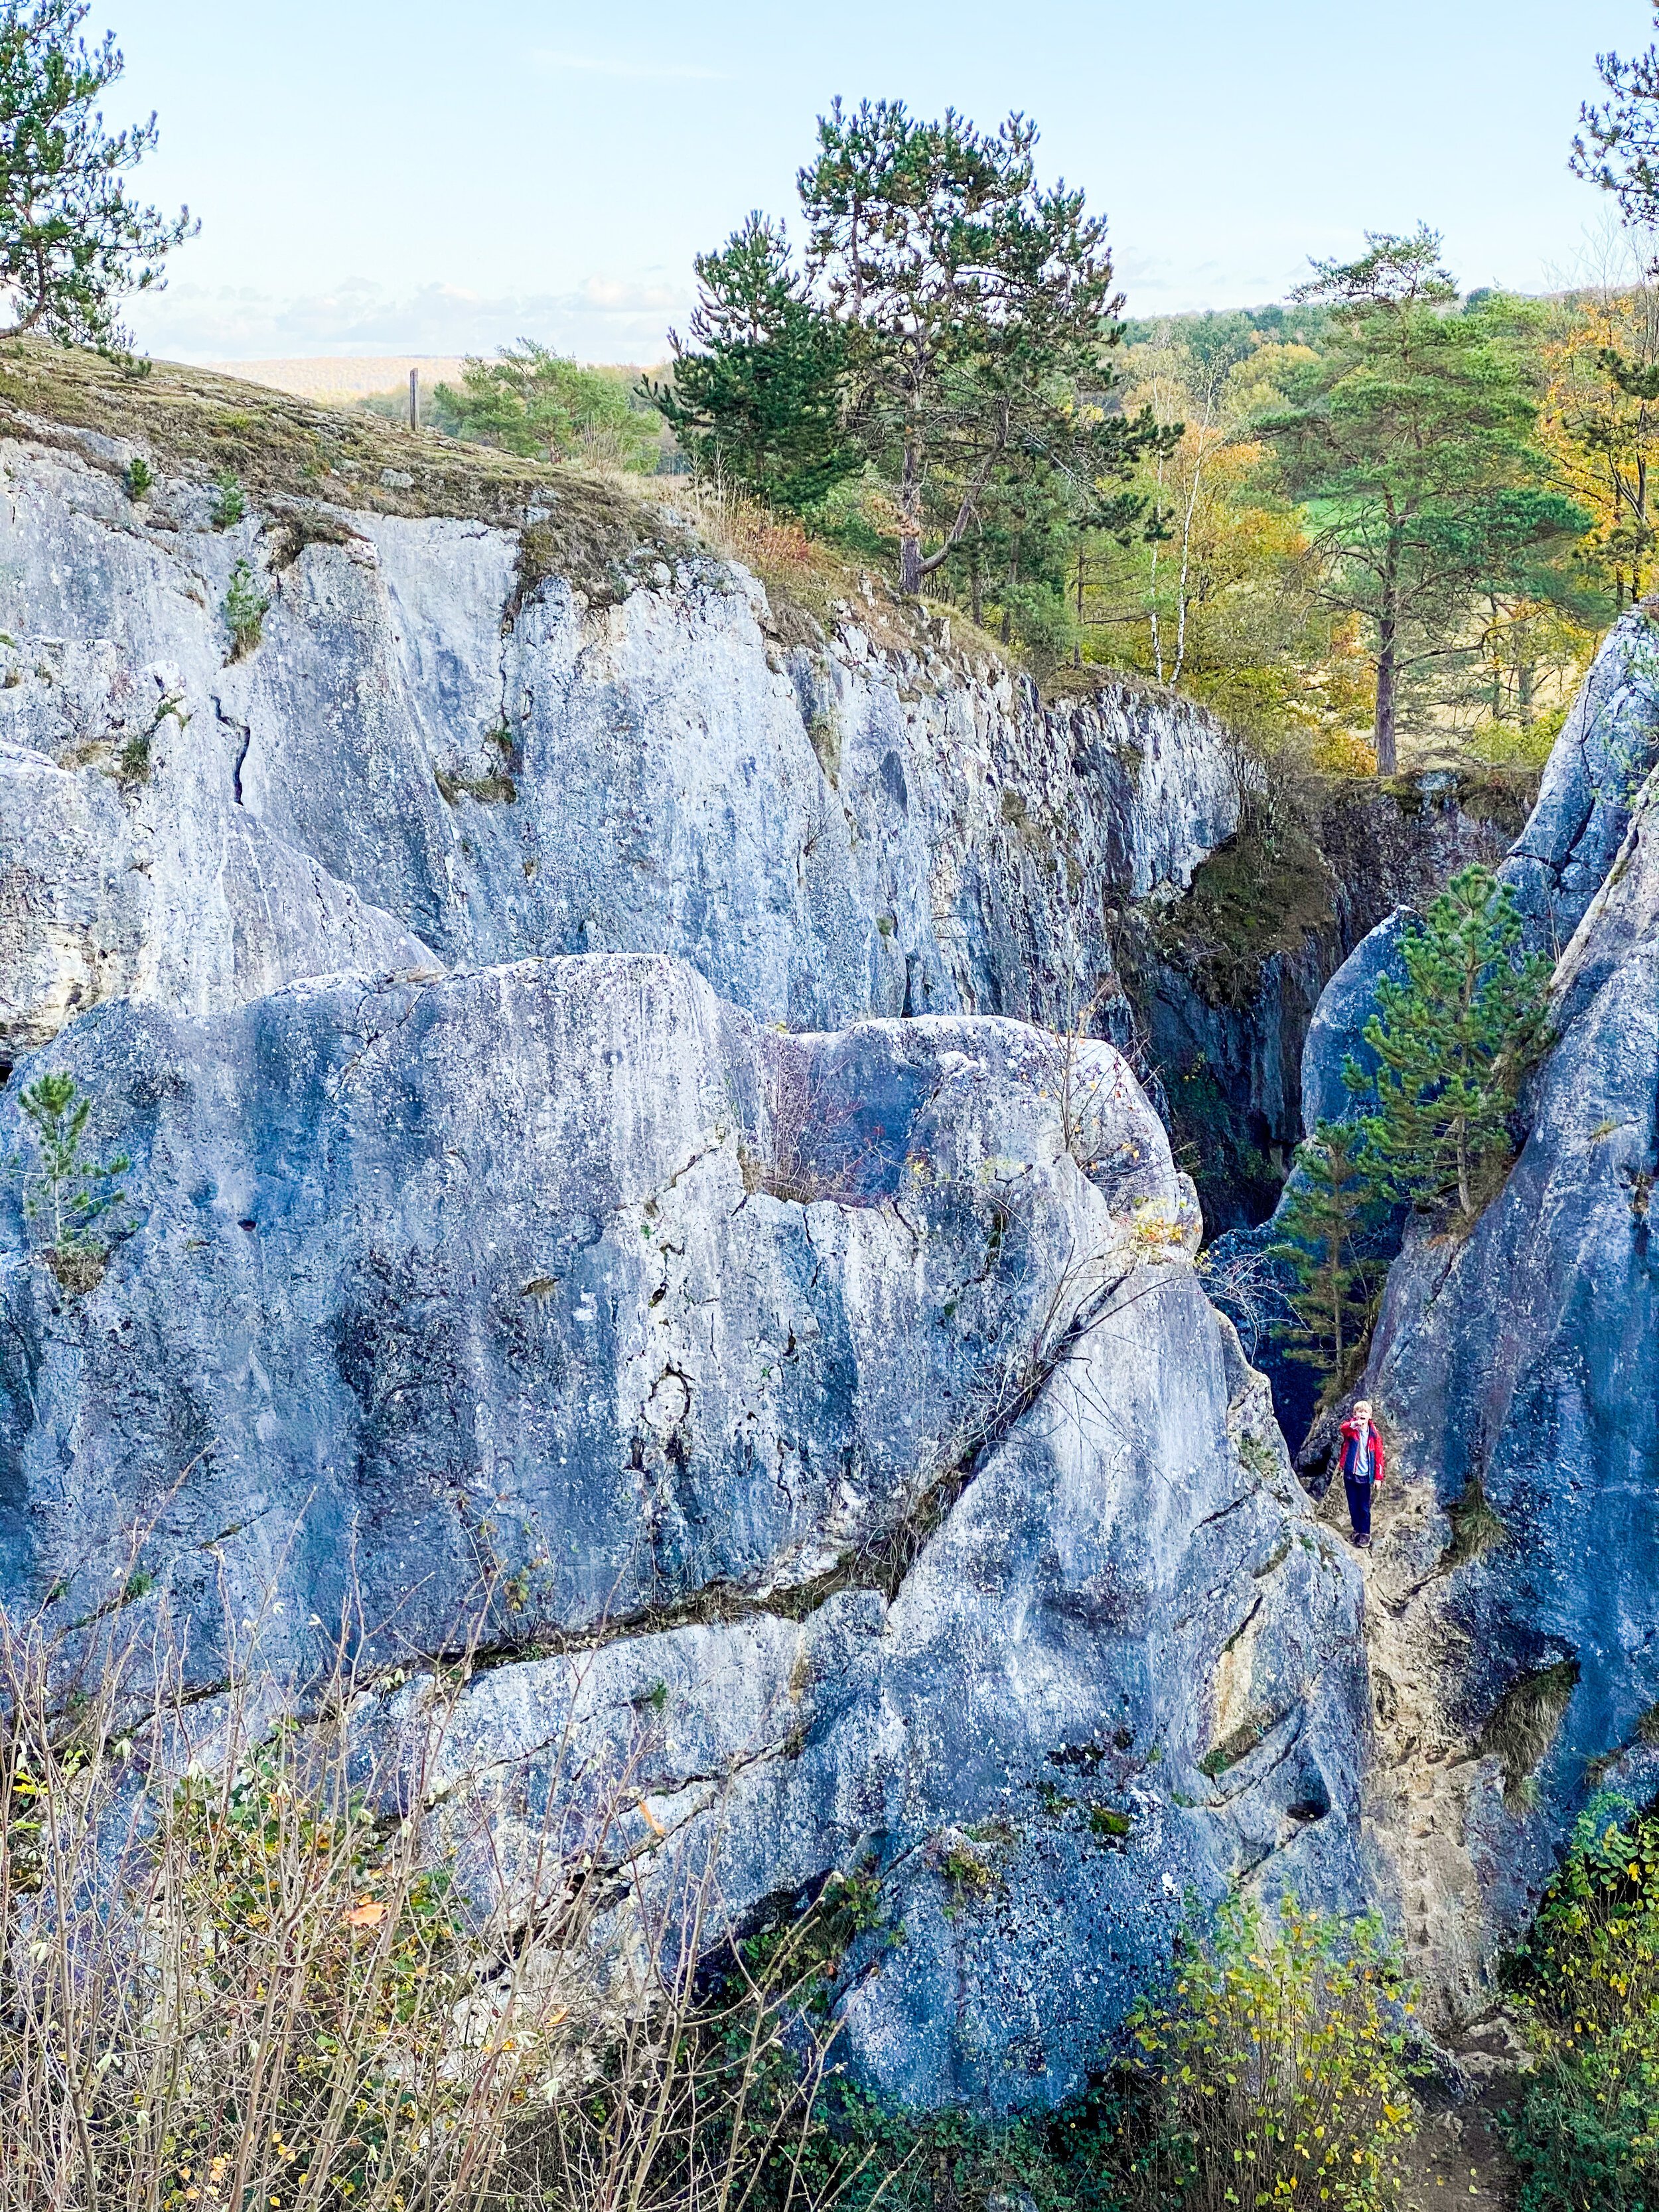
(1210, 572)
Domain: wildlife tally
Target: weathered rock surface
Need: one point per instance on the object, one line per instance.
(1514, 1658)
(561, 1297)
(1336, 1034)
(1598, 765)
(435, 756)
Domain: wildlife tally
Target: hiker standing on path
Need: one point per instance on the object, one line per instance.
(1360, 1456)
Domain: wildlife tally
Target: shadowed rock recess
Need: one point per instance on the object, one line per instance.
(826, 1418)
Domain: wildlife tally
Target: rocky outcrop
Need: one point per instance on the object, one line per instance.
(1513, 1647)
(562, 1309)
(1603, 757)
(436, 755)
(542, 1238)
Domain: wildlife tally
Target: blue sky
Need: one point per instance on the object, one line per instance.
(376, 177)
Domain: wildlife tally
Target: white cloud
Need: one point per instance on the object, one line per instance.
(604, 319)
(592, 66)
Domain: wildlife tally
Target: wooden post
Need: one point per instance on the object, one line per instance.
(415, 401)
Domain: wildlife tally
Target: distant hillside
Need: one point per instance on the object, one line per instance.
(340, 379)
(345, 380)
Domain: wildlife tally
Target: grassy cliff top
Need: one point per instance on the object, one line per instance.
(597, 528)
(196, 424)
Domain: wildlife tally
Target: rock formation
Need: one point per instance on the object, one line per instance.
(1513, 1607)
(829, 1417)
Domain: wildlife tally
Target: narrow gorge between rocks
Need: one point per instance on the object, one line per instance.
(677, 1128)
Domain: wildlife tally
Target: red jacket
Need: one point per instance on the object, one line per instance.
(1347, 1452)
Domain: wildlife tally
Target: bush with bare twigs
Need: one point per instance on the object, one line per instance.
(246, 1981)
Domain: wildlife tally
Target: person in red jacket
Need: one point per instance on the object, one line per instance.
(1360, 1456)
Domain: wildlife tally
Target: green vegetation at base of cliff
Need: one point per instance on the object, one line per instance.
(1586, 2129)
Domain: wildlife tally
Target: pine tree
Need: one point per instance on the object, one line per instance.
(67, 1194)
(1329, 1212)
(1454, 1042)
(760, 399)
(1411, 439)
(73, 243)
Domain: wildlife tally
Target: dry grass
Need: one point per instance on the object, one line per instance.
(190, 423)
(1523, 1724)
(1475, 1526)
(344, 379)
(245, 1977)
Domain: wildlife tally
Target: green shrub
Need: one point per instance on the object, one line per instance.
(244, 610)
(139, 477)
(1276, 2067)
(1586, 2133)
(68, 1197)
(229, 499)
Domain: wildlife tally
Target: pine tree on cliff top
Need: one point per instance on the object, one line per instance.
(1454, 1042)
(1330, 1211)
(758, 402)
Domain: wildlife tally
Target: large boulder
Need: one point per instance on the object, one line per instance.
(811, 1378)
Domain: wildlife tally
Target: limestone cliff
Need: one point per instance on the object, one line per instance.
(542, 1227)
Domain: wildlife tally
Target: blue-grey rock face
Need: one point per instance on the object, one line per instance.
(424, 763)
(807, 1377)
(1336, 1033)
(1598, 764)
(1525, 1360)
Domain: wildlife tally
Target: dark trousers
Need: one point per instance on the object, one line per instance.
(1359, 1504)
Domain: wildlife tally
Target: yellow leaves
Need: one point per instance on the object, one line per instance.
(368, 1912)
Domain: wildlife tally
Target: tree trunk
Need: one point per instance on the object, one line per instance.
(1077, 648)
(911, 522)
(976, 595)
(1388, 648)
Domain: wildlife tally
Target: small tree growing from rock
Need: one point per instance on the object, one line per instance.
(1328, 1214)
(68, 1197)
(1454, 1042)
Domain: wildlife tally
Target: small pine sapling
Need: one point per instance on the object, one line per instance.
(229, 499)
(1330, 1213)
(244, 610)
(1454, 1043)
(140, 476)
(68, 1197)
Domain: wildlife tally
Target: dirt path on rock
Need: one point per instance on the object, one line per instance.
(1458, 2154)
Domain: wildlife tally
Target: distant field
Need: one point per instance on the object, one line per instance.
(344, 379)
